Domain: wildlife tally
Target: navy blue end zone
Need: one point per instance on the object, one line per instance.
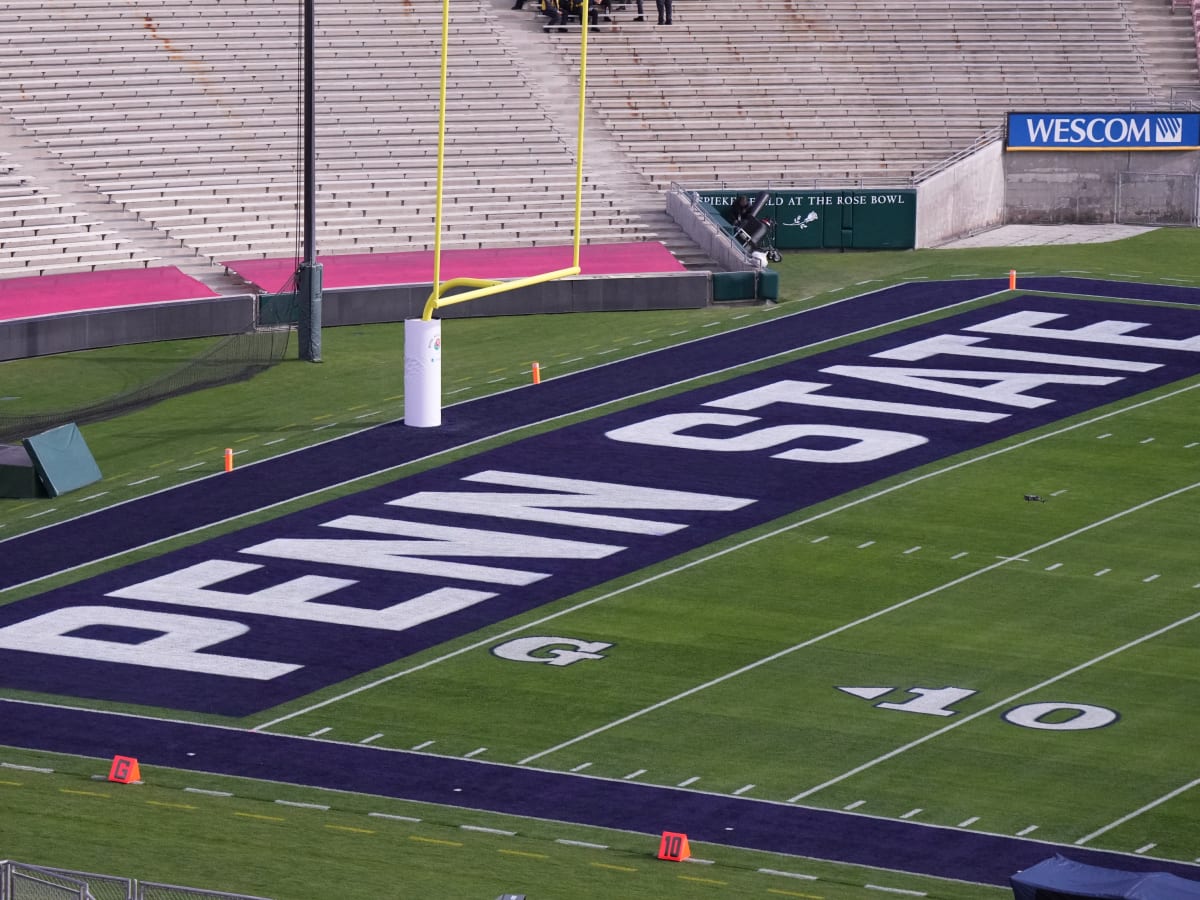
(269, 614)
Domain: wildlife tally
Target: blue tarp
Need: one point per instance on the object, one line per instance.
(1061, 876)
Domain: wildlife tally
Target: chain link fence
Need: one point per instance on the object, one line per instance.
(21, 881)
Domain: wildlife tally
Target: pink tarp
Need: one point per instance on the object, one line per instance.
(47, 295)
(365, 269)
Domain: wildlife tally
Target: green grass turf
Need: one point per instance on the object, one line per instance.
(998, 628)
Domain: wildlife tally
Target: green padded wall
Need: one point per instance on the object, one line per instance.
(62, 459)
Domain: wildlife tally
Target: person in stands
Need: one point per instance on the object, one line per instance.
(664, 11)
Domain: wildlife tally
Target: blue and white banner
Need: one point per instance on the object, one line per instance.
(1103, 131)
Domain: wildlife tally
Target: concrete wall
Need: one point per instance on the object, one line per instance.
(41, 336)
(965, 198)
(1056, 187)
(22, 338)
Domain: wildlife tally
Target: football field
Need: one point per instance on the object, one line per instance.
(911, 585)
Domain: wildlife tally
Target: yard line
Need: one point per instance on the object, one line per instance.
(475, 752)
(1103, 436)
(855, 805)
(1147, 441)
(959, 555)
(912, 812)
(865, 545)
(688, 781)
(581, 767)
(393, 817)
(1191, 445)
(862, 620)
(892, 890)
(799, 875)
(634, 774)
(743, 789)
(818, 540)
(1101, 572)
(372, 738)
(851, 504)
(269, 443)
(423, 745)
(1037, 687)
(1145, 848)
(1053, 566)
(319, 731)
(587, 844)
(192, 466)
(1150, 578)
(1024, 831)
(1137, 812)
(91, 497)
(912, 550)
(967, 823)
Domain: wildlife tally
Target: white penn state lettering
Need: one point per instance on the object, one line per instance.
(962, 345)
(1007, 388)
(440, 540)
(573, 494)
(293, 599)
(177, 646)
(522, 650)
(1027, 324)
(802, 393)
(866, 443)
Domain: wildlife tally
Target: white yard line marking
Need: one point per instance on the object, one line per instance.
(967, 823)
(21, 768)
(1191, 445)
(485, 830)
(299, 805)
(1147, 441)
(892, 890)
(639, 343)
(1012, 698)
(1053, 566)
(208, 793)
(913, 812)
(368, 415)
(1150, 578)
(710, 325)
(749, 667)
(1103, 436)
(855, 805)
(588, 844)
(1101, 572)
(1144, 849)
(632, 775)
(688, 781)
(188, 468)
(865, 544)
(581, 767)
(143, 481)
(475, 752)
(912, 550)
(798, 875)
(372, 739)
(1058, 493)
(92, 497)
(671, 572)
(571, 360)
(743, 789)
(423, 745)
(271, 443)
(1029, 830)
(44, 512)
(393, 817)
(823, 537)
(959, 555)
(320, 731)
(1137, 812)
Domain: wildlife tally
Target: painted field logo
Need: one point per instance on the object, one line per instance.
(263, 616)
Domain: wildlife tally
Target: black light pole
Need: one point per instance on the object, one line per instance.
(309, 276)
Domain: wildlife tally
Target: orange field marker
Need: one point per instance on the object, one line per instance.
(674, 847)
(537, 374)
(1012, 279)
(124, 770)
(228, 459)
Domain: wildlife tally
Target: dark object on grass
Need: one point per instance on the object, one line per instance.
(1034, 498)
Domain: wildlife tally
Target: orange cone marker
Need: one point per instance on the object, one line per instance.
(537, 374)
(1012, 279)
(228, 459)
(124, 770)
(674, 847)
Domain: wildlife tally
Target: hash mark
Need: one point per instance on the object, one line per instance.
(320, 731)
(1101, 572)
(423, 745)
(863, 546)
(912, 812)
(688, 781)
(475, 752)
(1025, 831)
(743, 790)
(635, 774)
(581, 767)
(855, 805)
(1149, 579)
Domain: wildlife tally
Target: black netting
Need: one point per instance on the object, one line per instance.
(233, 358)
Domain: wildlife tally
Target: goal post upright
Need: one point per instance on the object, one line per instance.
(422, 337)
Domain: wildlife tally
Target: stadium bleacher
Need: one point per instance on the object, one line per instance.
(174, 127)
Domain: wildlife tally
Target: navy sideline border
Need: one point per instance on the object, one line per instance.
(706, 818)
